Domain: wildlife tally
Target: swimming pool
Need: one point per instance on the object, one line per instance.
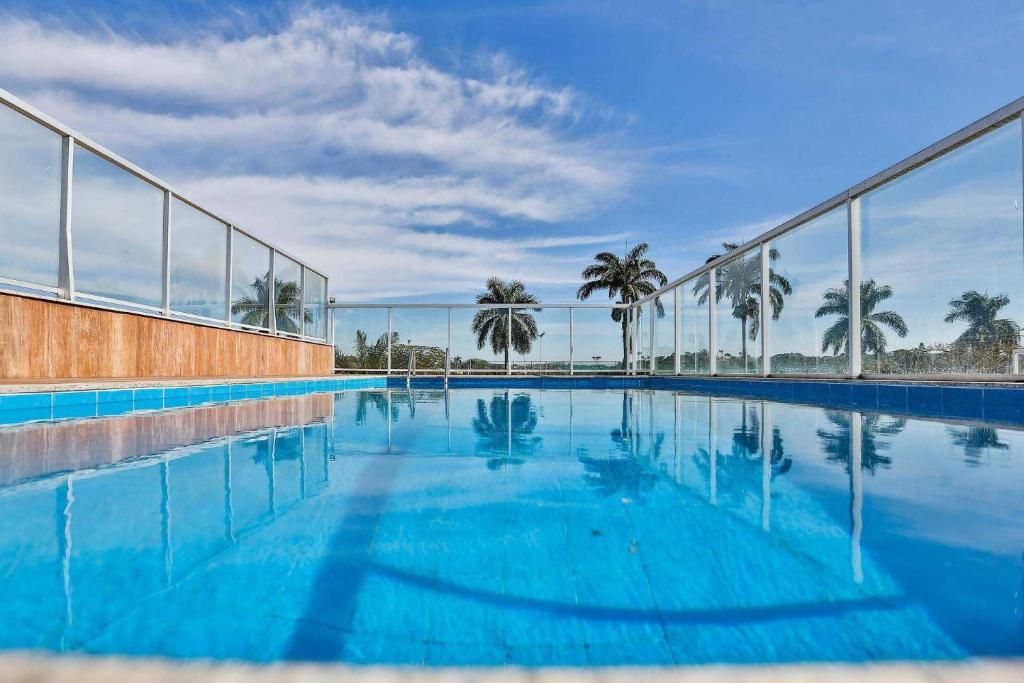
(523, 526)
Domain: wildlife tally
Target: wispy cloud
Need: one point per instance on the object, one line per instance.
(334, 136)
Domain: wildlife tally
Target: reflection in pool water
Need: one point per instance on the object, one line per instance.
(513, 526)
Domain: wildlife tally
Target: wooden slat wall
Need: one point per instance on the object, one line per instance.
(46, 340)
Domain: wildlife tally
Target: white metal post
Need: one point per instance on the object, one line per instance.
(653, 329)
(165, 293)
(853, 291)
(676, 330)
(448, 355)
(766, 318)
(271, 286)
(712, 320)
(570, 342)
(508, 342)
(389, 340)
(66, 269)
(228, 274)
(629, 340)
(302, 301)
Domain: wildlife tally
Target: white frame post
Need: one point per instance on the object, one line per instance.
(853, 288)
(165, 293)
(766, 318)
(654, 314)
(390, 334)
(302, 301)
(508, 343)
(570, 341)
(65, 268)
(712, 321)
(271, 287)
(229, 274)
(677, 363)
(449, 354)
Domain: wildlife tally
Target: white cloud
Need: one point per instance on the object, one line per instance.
(334, 137)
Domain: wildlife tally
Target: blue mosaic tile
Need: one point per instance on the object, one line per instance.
(115, 402)
(1004, 403)
(68, 404)
(26, 401)
(962, 402)
(892, 397)
(925, 400)
(864, 396)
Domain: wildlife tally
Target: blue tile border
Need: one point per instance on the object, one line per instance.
(31, 407)
(997, 403)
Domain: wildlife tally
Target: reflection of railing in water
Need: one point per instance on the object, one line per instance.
(38, 449)
(306, 442)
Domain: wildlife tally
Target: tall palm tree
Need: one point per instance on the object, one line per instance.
(493, 322)
(255, 307)
(739, 281)
(985, 331)
(630, 278)
(837, 302)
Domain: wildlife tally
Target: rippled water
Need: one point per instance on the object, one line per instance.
(528, 527)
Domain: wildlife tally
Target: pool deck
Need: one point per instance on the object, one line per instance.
(31, 669)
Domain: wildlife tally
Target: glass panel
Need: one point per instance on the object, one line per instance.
(643, 337)
(738, 312)
(664, 334)
(548, 350)
(287, 294)
(117, 228)
(808, 332)
(943, 263)
(250, 300)
(598, 339)
(361, 338)
(693, 328)
(423, 330)
(199, 254)
(467, 356)
(314, 295)
(30, 168)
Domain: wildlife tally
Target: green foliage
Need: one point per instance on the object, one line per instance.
(255, 308)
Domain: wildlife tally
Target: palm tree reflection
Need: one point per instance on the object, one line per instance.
(836, 442)
(505, 429)
(620, 472)
(976, 441)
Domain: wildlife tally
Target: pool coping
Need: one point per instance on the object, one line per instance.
(26, 668)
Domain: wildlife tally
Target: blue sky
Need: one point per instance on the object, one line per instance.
(412, 149)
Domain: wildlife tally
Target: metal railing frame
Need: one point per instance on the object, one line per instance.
(851, 199)
(66, 289)
(506, 369)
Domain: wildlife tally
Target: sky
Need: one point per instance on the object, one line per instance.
(411, 150)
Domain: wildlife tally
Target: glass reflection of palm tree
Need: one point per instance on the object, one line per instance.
(619, 472)
(988, 334)
(255, 307)
(836, 442)
(506, 429)
(975, 441)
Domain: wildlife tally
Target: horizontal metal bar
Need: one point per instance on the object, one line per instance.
(53, 124)
(13, 282)
(934, 151)
(444, 306)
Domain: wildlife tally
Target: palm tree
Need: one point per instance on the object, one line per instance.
(985, 331)
(739, 281)
(837, 302)
(255, 308)
(493, 322)
(629, 278)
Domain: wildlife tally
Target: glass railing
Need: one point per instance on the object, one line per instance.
(934, 245)
(542, 338)
(78, 223)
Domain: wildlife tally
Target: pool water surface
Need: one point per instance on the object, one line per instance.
(521, 526)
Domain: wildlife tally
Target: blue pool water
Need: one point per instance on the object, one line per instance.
(513, 526)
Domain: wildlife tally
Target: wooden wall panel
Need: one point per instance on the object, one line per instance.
(47, 340)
